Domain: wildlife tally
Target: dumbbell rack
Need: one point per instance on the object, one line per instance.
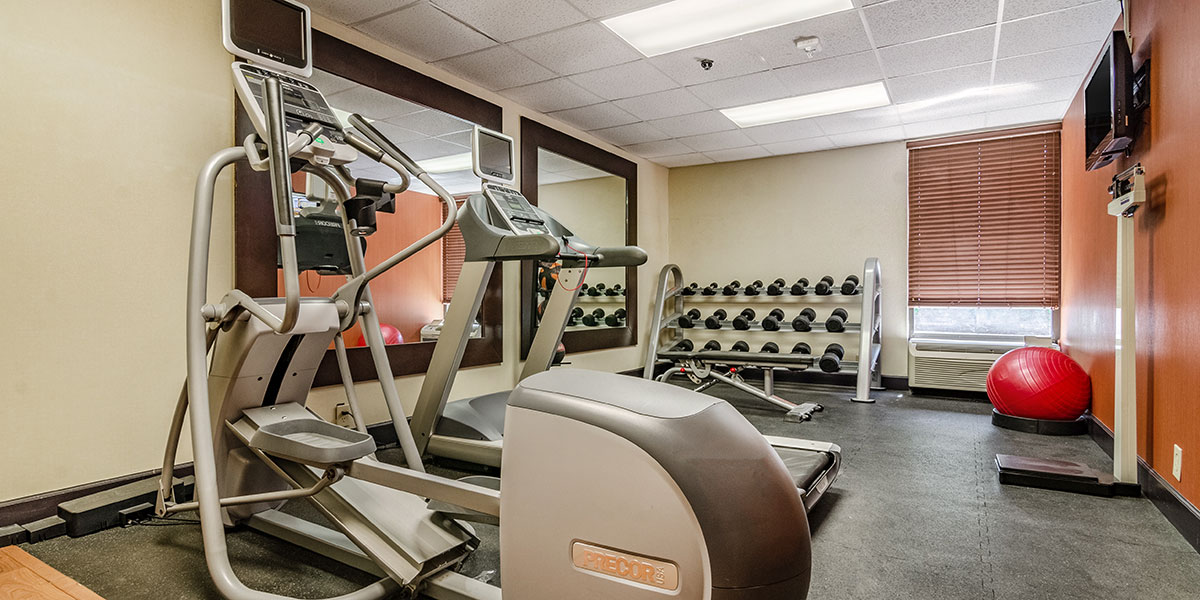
(590, 303)
(701, 365)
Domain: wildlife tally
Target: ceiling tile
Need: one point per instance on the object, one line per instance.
(577, 49)
(426, 33)
(549, 96)
(547, 178)
(431, 148)
(596, 116)
(508, 21)
(1040, 92)
(949, 126)
(732, 154)
(657, 149)
(1074, 60)
(497, 68)
(398, 135)
(694, 124)
(353, 11)
(555, 163)
(859, 120)
(783, 132)
(720, 140)
(944, 107)
(841, 33)
(738, 91)
(1018, 9)
(634, 133)
(462, 138)
(798, 146)
(903, 21)
(1090, 23)
(730, 59)
(663, 104)
(599, 9)
(831, 73)
(938, 83)
(965, 48)
(329, 83)
(584, 172)
(873, 136)
(683, 160)
(624, 81)
(431, 122)
(1038, 113)
(371, 103)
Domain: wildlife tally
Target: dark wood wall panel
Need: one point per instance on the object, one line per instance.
(1168, 288)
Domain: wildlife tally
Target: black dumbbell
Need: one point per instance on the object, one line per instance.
(711, 289)
(690, 290)
(596, 290)
(755, 288)
(732, 289)
(836, 321)
(770, 347)
(740, 346)
(616, 319)
(773, 319)
(744, 320)
(800, 288)
(613, 291)
(688, 321)
(683, 346)
(831, 360)
(803, 321)
(713, 345)
(801, 348)
(595, 318)
(583, 289)
(576, 314)
(850, 285)
(714, 321)
(825, 286)
(776, 288)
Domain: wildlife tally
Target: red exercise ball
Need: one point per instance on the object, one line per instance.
(1039, 383)
(391, 335)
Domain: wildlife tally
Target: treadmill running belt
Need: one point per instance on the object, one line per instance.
(805, 466)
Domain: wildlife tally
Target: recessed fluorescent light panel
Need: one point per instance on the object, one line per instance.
(447, 164)
(685, 23)
(859, 97)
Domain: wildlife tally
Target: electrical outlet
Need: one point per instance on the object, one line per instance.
(343, 416)
(1177, 464)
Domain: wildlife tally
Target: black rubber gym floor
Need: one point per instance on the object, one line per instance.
(916, 513)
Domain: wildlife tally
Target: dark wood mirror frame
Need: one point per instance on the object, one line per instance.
(255, 244)
(534, 135)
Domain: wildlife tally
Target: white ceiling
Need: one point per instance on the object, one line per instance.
(950, 66)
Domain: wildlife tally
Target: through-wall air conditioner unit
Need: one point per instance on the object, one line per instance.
(955, 363)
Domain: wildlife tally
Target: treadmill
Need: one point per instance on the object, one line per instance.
(500, 225)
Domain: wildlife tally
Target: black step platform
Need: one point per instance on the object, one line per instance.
(1061, 475)
(1040, 426)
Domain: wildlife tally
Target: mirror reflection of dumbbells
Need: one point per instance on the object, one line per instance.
(616, 319)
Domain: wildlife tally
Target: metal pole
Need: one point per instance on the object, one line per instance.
(1125, 388)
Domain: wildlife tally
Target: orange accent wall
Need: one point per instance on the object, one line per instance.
(410, 294)
(1167, 242)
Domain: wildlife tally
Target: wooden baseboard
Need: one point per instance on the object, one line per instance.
(1178, 511)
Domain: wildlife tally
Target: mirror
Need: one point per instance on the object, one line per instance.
(410, 298)
(593, 193)
(591, 203)
(430, 121)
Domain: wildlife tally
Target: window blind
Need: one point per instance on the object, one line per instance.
(454, 251)
(984, 216)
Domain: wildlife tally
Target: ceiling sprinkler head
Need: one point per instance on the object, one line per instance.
(705, 63)
(811, 45)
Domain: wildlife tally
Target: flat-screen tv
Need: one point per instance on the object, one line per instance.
(1109, 123)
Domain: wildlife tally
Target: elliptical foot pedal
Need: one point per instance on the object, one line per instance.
(1061, 475)
(803, 412)
(290, 432)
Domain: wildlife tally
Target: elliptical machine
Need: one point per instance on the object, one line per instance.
(578, 441)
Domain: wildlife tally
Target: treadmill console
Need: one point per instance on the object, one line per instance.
(516, 211)
(303, 103)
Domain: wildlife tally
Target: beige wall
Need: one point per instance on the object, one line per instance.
(803, 215)
(115, 112)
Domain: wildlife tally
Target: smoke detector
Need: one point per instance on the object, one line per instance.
(810, 44)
